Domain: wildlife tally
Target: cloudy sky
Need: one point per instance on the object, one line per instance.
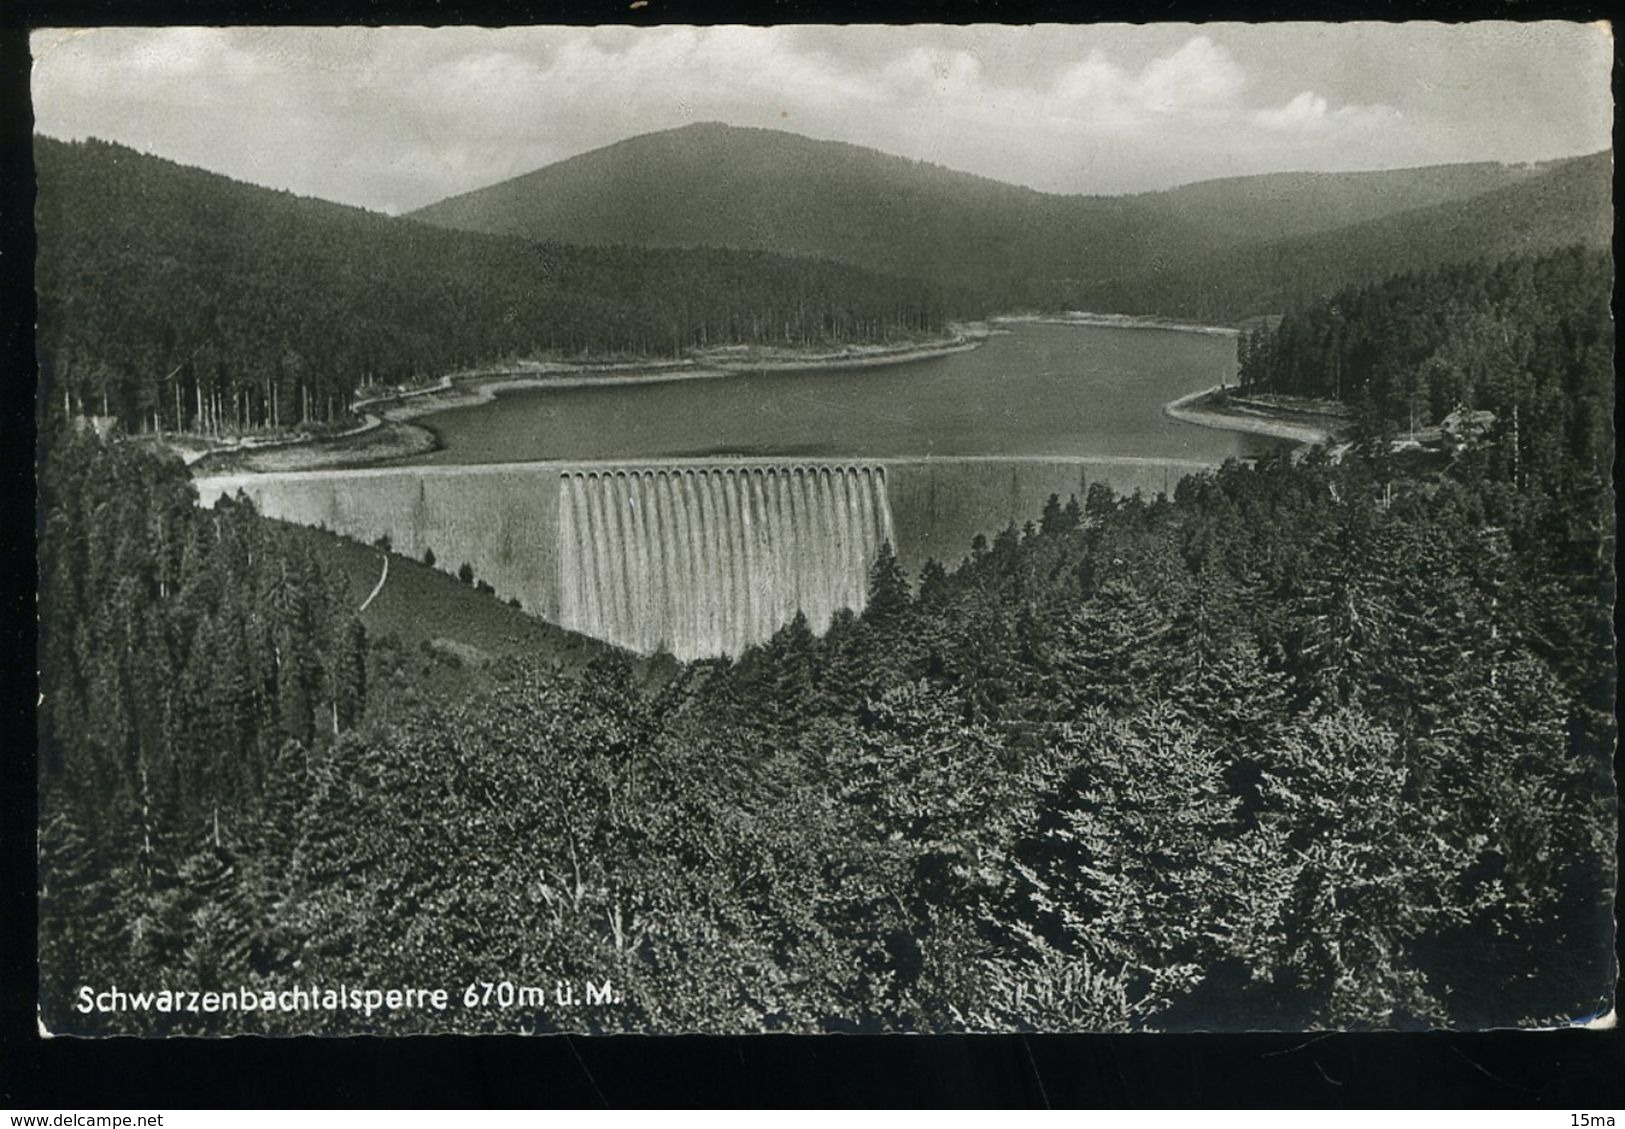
(396, 118)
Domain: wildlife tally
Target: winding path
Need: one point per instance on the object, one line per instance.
(376, 588)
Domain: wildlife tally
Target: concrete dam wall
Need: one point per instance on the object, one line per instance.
(699, 557)
(708, 561)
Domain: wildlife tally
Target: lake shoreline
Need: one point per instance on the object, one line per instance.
(399, 429)
(386, 432)
(377, 439)
(1089, 320)
(1294, 425)
(481, 386)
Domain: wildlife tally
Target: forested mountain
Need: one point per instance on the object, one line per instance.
(172, 297)
(1565, 203)
(721, 186)
(1307, 743)
(1219, 249)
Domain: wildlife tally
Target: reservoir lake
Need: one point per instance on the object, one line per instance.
(1039, 389)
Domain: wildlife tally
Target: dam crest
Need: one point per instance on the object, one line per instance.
(698, 557)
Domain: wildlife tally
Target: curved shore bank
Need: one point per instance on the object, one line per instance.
(376, 439)
(1116, 321)
(1198, 409)
(468, 389)
(472, 389)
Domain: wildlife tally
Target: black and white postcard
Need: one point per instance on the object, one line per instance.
(825, 529)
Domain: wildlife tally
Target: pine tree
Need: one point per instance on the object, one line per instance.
(889, 597)
(1051, 520)
(1375, 868)
(1139, 866)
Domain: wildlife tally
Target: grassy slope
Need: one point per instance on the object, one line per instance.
(440, 625)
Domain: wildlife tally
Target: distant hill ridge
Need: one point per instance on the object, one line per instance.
(1295, 203)
(1563, 203)
(711, 184)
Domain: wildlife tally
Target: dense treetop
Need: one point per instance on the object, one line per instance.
(1308, 743)
(1529, 340)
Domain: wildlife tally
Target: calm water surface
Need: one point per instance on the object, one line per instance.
(1040, 390)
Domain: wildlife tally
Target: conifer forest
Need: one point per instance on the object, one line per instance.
(1304, 744)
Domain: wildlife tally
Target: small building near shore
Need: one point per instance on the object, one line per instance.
(1464, 427)
(101, 426)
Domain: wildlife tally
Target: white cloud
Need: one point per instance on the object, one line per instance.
(1096, 79)
(1200, 75)
(1305, 112)
(1308, 112)
(409, 115)
(1199, 78)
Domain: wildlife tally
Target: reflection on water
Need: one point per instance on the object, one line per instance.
(1040, 390)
